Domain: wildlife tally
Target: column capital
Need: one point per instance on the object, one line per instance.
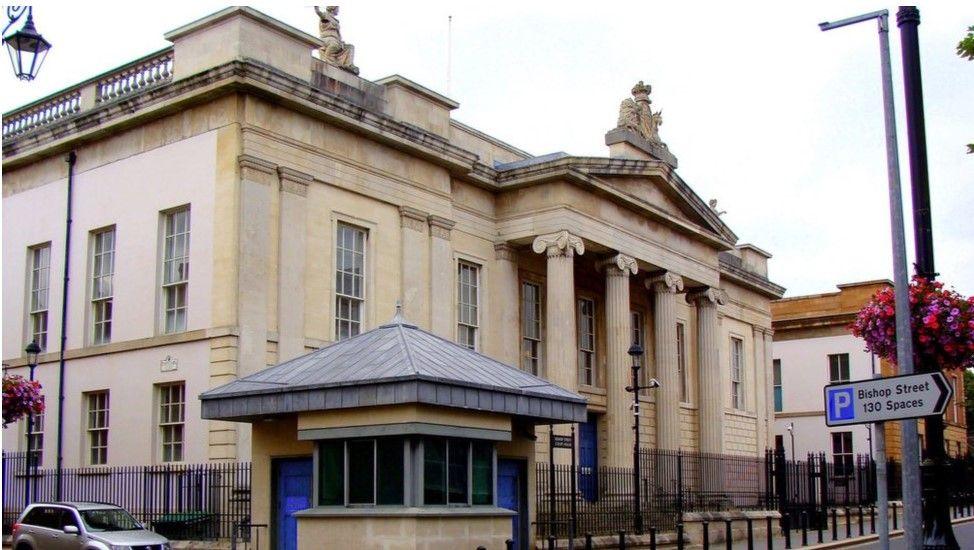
(560, 243)
(706, 296)
(618, 265)
(413, 218)
(665, 282)
(294, 181)
(504, 251)
(440, 227)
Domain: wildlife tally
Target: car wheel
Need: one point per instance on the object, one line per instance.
(24, 546)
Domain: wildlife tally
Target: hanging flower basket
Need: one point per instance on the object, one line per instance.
(20, 397)
(942, 322)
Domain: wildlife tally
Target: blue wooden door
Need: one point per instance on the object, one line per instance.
(292, 481)
(512, 494)
(588, 458)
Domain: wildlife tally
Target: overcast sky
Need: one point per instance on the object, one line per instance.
(780, 122)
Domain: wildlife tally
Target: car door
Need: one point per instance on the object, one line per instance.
(66, 517)
(43, 525)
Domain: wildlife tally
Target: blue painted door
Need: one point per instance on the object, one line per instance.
(292, 481)
(588, 458)
(512, 494)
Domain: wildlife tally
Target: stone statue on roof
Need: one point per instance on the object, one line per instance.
(334, 50)
(636, 115)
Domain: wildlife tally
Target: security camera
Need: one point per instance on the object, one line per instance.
(654, 383)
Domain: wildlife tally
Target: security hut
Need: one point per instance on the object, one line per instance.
(395, 438)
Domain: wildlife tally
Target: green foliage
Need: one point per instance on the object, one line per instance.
(965, 48)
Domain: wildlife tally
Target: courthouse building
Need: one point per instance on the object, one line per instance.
(813, 347)
(243, 197)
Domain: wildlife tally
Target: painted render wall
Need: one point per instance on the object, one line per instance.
(128, 193)
(804, 372)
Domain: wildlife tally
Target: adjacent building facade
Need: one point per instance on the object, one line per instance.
(813, 347)
(238, 201)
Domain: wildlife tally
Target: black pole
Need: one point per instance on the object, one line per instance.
(551, 480)
(937, 530)
(72, 158)
(574, 506)
(31, 466)
(637, 504)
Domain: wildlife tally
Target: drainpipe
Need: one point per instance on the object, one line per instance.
(72, 158)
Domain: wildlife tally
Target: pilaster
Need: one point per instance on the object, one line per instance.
(665, 287)
(292, 249)
(415, 266)
(620, 438)
(505, 339)
(441, 276)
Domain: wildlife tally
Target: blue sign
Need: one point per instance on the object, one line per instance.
(889, 398)
(842, 404)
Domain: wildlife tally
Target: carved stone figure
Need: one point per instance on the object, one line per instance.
(636, 115)
(334, 50)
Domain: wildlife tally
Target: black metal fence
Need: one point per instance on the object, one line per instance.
(674, 482)
(181, 502)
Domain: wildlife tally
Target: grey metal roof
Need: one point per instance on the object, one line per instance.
(392, 364)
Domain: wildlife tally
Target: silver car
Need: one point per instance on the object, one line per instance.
(82, 526)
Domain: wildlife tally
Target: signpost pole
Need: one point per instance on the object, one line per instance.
(551, 479)
(882, 489)
(574, 519)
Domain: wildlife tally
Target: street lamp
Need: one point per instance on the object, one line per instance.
(636, 352)
(791, 433)
(27, 48)
(32, 350)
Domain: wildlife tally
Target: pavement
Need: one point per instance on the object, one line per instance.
(963, 530)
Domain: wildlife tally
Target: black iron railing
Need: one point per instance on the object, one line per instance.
(181, 501)
(674, 482)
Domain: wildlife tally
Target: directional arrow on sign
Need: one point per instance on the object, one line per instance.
(881, 399)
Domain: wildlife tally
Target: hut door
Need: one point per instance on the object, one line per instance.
(512, 489)
(292, 492)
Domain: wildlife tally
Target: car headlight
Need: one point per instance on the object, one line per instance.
(119, 547)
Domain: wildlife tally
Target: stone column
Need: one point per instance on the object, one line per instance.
(711, 407)
(291, 262)
(414, 279)
(620, 437)
(561, 347)
(442, 277)
(665, 287)
(504, 340)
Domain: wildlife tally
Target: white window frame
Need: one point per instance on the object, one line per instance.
(837, 357)
(354, 300)
(776, 387)
(38, 293)
(532, 341)
(587, 372)
(97, 423)
(35, 432)
(174, 282)
(172, 422)
(681, 361)
(101, 290)
(468, 304)
(737, 372)
(848, 455)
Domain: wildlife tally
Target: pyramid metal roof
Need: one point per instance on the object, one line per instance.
(395, 363)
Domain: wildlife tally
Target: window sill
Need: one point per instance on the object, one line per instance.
(403, 511)
(591, 389)
(739, 412)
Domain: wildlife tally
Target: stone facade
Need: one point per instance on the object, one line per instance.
(275, 151)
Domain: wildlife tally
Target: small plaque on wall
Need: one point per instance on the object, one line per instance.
(168, 364)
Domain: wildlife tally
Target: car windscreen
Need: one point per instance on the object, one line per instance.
(109, 519)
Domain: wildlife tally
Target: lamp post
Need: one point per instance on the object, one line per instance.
(636, 352)
(904, 337)
(791, 434)
(31, 350)
(27, 48)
